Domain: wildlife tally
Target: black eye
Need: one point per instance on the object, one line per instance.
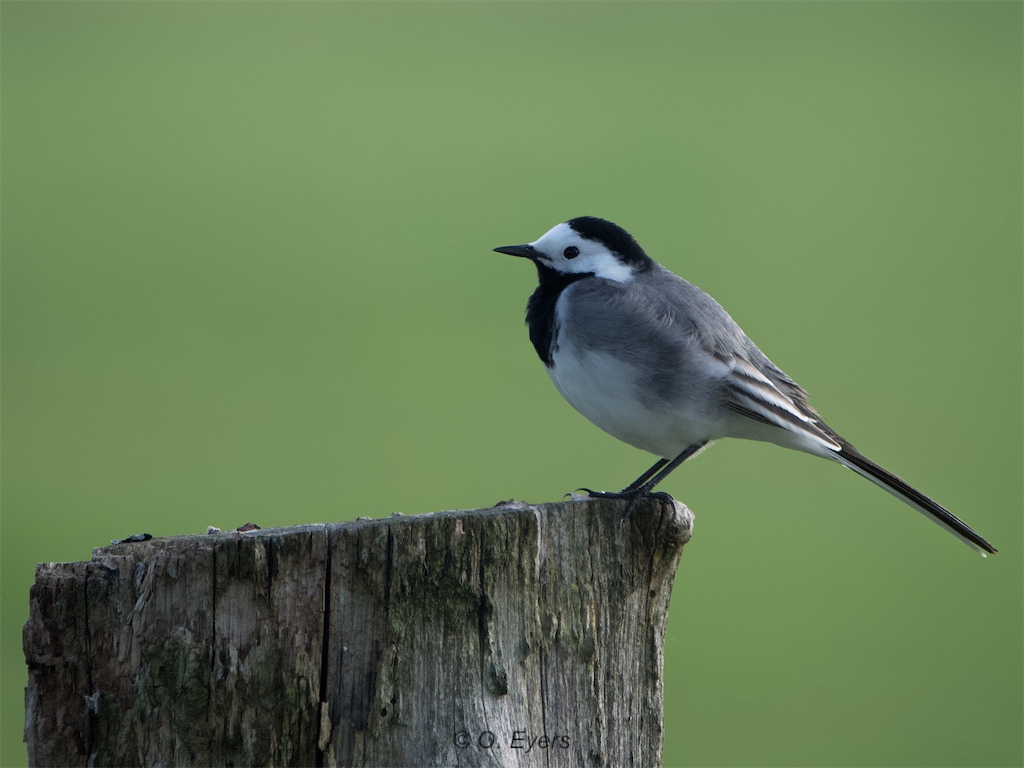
(571, 252)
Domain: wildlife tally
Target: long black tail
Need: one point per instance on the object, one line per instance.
(907, 493)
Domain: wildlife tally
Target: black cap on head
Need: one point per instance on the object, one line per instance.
(612, 236)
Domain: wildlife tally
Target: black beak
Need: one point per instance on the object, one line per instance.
(525, 251)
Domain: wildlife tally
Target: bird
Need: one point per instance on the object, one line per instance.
(656, 362)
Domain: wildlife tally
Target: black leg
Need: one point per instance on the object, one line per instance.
(661, 470)
(645, 476)
(644, 485)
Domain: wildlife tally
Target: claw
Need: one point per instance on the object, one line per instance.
(605, 494)
(634, 496)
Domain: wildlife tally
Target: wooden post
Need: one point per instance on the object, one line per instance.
(519, 635)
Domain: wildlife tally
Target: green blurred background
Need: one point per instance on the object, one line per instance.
(247, 276)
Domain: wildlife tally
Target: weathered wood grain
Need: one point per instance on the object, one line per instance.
(519, 635)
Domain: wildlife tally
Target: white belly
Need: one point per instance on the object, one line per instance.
(605, 390)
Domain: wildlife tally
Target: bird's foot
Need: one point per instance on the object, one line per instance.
(633, 495)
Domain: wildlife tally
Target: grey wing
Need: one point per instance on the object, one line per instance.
(750, 383)
(649, 329)
(766, 394)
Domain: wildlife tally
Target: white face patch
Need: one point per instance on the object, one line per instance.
(556, 246)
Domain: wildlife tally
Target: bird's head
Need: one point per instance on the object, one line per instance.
(586, 245)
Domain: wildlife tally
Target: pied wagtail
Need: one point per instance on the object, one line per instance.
(654, 361)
